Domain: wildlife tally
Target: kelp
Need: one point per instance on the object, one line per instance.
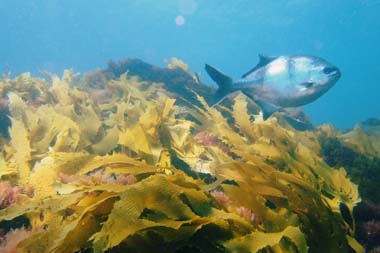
(267, 187)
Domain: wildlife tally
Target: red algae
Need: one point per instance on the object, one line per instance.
(10, 240)
(8, 194)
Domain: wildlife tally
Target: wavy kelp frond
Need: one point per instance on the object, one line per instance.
(162, 205)
(116, 166)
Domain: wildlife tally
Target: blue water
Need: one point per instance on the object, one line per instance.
(82, 34)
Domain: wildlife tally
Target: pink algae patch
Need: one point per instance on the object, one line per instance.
(97, 178)
(208, 140)
(8, 194)
(221, 198)
(9, 242)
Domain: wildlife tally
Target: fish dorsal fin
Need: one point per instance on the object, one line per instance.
(263, 60)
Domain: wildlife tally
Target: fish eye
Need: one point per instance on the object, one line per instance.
(328, 70)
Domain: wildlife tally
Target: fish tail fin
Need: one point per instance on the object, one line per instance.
(224, 82)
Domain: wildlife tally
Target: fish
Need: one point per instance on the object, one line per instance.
(279, 82)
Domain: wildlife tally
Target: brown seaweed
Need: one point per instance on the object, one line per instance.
(69, 150)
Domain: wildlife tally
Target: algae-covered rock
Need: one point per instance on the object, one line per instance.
(364, 138)
(137, 161)
(357, 151)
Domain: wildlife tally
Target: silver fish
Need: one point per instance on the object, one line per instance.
(280, 82)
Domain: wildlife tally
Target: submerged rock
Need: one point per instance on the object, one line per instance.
(371, 122)
(364, 138)
(356, 151)
(176, 80)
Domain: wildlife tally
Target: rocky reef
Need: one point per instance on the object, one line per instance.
(133, 158)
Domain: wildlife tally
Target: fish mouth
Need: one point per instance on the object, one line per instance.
(336, 73)
(332, 72)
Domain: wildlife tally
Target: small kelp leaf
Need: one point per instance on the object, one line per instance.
(213, 119)
(256, 241)
(17, 107)
(70, 163)
(42, 179)
(41, 240)
(164, 160)
(68, 232)
(137, 139)
(107, 143)
(143, 138)
(6, 166)
(255, 178)
(20, 143)
(5, 169)
(61, 88)
(117, 163)
(88, 122)
(343, 190)
(354, 244)
(27, 205)
(180, 135)
(168, 107)
(75, 235)
(54, 130)
(241, 116)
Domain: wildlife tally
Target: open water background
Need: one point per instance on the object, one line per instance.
(84, 34)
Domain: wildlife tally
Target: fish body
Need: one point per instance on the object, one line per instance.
(280, 82)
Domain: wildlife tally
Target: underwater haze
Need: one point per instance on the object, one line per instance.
(83, 35)
(114, 138)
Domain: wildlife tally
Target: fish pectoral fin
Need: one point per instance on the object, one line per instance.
(267, 108)
(307, 84)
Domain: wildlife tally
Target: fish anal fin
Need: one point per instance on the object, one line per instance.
(263, 60)
(267, 108)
